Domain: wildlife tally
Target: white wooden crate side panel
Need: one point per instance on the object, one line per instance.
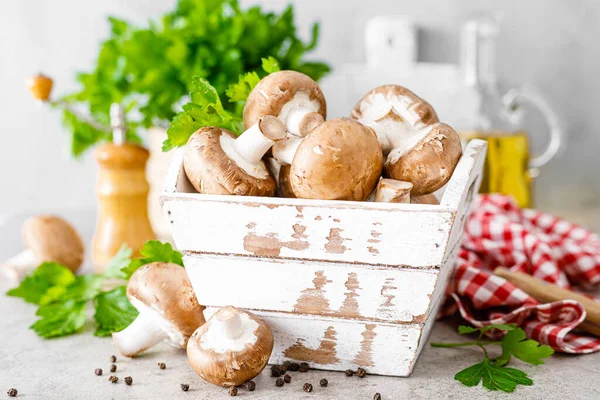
(307, 287)
(334, 344)
(351, 235)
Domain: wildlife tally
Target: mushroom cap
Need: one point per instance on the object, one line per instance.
(285, 186)
(430, 163)
(51, 238)
(211, 171)
(425, 199)
(224, 365)
(275, 90)
(166, 289)
(340, 160)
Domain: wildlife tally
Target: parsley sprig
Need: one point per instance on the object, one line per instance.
(493, 372)
(63, 297)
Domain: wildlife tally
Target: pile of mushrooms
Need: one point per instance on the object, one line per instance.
(393, 148)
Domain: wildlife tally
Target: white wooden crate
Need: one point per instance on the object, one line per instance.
(342, 284)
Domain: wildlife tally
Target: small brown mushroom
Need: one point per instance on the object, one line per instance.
(216, 162)
(419, 148)
(285, 186)
(47, 238)
(233, 347)
(425, 199)
(393, 191)
(168, 307)
(340, 160)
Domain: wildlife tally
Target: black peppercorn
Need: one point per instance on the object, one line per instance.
(303, 367)
(323, 382)
(98, 371)
(113, 368)
(349, 372)
(162, 365)
(275, 371)
(233, 391)
(279, 382)
(250, 385)
(287, 378)
(293, 367)
(307, 387)
(113, 359)
(113, 379)
(185, 387)
(128, 380)
(377, 396)
(12, 392)
(361, 373)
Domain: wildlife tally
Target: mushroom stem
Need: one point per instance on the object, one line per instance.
(285, 150)
(394, 131)
(393, 191)
(140, 335)
(252, 145)
(301, 121)
(21, 265)
(228, 323)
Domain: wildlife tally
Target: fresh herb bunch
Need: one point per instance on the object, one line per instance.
(150, 69)
(62, 297)
(493, 371)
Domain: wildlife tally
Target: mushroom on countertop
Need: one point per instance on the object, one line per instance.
(233, 347)
(295, 99)
(168, 309)
(47, 238)
(340, 160)
(216, 162)
(392, 191)
(419, 148)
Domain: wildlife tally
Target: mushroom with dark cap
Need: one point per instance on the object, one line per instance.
(168, 309)
(419, 148)
(216, 162)
(295, 99)
(233, 347)
(47, 238)
(340, 159)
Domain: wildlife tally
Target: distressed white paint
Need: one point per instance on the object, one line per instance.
(415, 245)
(384, 294)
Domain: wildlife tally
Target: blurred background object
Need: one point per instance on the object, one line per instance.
(556, 54)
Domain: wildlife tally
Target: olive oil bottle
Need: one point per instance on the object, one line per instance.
(509, 168)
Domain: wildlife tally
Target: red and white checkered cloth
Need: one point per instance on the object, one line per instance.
(499, 233)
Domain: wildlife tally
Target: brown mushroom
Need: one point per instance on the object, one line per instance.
(285, 185)
(340, 160)
(216, 162)
(425, 199)
(392, 191)
(47, 238)
(233, 347)
(168, 309)
(420, 149)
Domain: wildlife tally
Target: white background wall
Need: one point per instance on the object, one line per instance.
(553, 44)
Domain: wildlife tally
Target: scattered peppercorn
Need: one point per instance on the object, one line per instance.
(377, 396)
(293, 367)
(128, 380)
(361, 373)
(233, 391)
(307, 387)
(323, 382)
(113, 379)
(162, 365)
(349, 372)
(98, 371)
(113, 368)
(279, 382)
(185, 387)
(287, 378)
(303, 367)
(113, 359)
(250, 385)
(275, 371)
(12, 392)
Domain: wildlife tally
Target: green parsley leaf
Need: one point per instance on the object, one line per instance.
(469, 329)
(60, 319)
(494, 377)
(530, 351)
(152, 251)
(118, 262)
(270, 65)
(239, 91)
(114, 312)
(43, 279)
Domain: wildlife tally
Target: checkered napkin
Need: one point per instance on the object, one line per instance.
(499, 233)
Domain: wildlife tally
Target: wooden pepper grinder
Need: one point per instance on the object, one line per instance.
(122, 191)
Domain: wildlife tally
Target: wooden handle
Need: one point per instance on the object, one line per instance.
(546, 293)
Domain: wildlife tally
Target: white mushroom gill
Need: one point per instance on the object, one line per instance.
(231, 333)
(293, 111)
